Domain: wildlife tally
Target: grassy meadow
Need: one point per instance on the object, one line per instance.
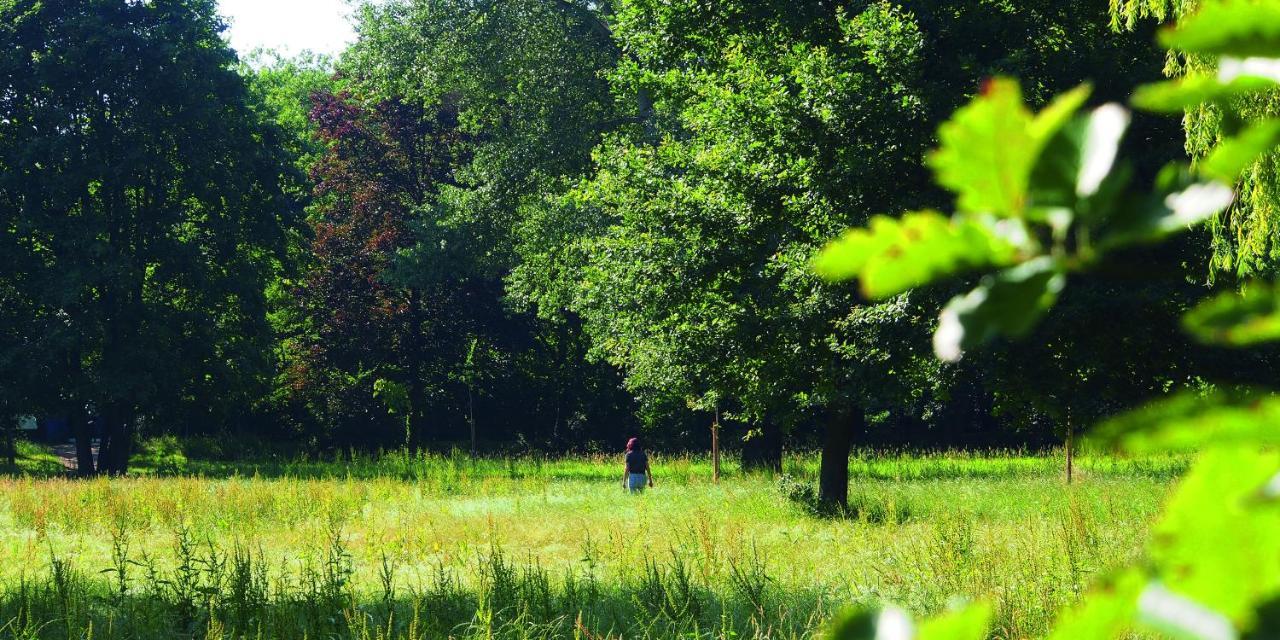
(408, 546)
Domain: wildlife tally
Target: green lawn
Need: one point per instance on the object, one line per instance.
(407, 546)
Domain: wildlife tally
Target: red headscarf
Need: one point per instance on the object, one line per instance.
(633, 443)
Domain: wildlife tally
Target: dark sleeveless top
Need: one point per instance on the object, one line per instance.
(636, 461)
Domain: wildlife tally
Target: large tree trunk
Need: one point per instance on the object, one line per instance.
(123, 450)
(715, 448)
(106, 434)
(78, 419)
(833, 479)
(117, 442)
(763, 452)
(417, 418)
(84, 440)
(10, 424)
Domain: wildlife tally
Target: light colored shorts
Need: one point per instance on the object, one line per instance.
(636, 481)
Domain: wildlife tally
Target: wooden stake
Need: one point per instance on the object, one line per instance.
(1070, 450)
(471, 417)
(716, 448)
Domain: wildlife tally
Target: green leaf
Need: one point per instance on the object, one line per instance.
(1175, 208)
(1237, 319)
(1234, 155)
(989, 147)
(1058, 113)
(889, 623)
(969, 623)
(1006, 304)
(1076, 162)
(1240, 28)
(896, 254)
(1099, 146)
(1176, 96)
(987, 151)
(394, 395)
(1230, 68)
(1189, 421)
(1217, 543)
(1105, 612)
(1176, 616)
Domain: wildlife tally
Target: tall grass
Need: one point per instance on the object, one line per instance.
(209, 592)
(413, 546)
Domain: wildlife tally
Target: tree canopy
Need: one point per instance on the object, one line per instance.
(441, 238)
(144, 211)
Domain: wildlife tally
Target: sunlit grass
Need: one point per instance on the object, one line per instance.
(430, 530)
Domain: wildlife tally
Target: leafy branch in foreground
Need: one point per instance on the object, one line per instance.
(1042, 196)
(1237, 319)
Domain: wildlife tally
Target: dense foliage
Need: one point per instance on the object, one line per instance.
(656, 204)
(1245, 236)
(144, 213)
(1044, 197)
(548, 224)
(604, 230)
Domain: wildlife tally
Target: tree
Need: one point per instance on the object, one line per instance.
(530, 116)
(285, 87)
(1047, 197)
(774, 126)
(358, 326)
(145, 204)
(27, 342)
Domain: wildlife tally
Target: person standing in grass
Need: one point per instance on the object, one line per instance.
(636, 467)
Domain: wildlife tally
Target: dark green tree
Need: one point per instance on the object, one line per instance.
(530, 115)
(144, 212)
(773, 126)
(356, 323)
